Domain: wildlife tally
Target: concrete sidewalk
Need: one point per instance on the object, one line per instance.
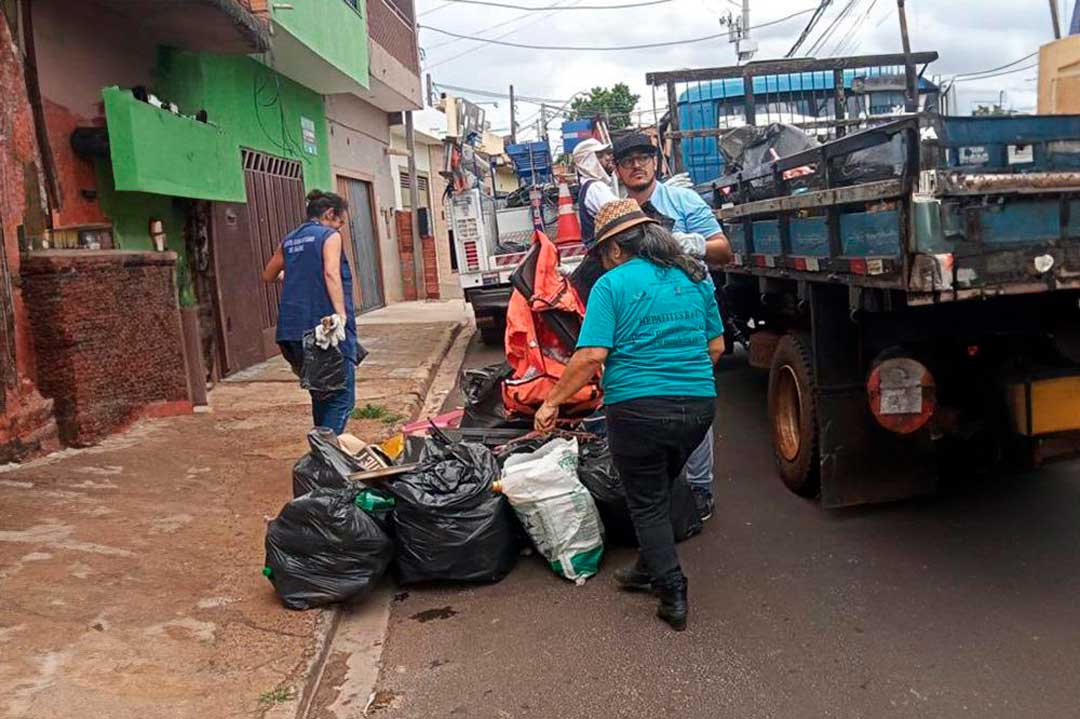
(130, 580)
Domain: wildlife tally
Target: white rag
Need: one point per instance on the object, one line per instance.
(330, 331)
(681, 180)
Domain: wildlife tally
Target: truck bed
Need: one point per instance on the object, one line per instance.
(936, 208)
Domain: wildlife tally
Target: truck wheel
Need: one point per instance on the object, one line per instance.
(793, 416)
(493, 336)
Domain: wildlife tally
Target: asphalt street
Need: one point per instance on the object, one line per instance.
(964, 604)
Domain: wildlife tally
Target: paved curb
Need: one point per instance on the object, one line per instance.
(456, 337)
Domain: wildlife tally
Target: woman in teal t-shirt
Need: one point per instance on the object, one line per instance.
(654, 326)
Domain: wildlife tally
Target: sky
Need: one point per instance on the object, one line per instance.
(969, 35)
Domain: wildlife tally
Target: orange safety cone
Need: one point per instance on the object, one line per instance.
(569, 229)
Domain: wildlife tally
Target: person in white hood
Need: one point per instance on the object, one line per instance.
(594, 163)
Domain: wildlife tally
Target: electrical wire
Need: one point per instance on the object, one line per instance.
(616, 48)
(824, 37)
(842, 47)
(529, 8)
(502, 95)
(532, 21)
(997, 74)
(1000, 67)
(810, 25)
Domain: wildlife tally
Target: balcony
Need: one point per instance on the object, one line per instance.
(220, 26)
(395, 60)
(321, 44)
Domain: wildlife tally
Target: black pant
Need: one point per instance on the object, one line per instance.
(651, 439)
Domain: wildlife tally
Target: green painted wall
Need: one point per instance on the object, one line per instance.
(153, 150)
(333, 29)
(256, 106)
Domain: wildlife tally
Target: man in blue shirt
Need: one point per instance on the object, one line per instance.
(636, 164)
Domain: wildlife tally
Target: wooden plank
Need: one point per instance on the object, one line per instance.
(882, 190)
(382, 473)
(778, 67)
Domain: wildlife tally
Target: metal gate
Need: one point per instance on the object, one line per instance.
(245, 236)
(365, 243)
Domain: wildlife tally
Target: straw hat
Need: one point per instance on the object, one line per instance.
(617, 216)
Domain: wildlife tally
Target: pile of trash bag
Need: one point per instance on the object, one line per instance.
(449, 524)
(323, 548)
(557, 511)
(482, 390)
(326, 466)
(597, 472)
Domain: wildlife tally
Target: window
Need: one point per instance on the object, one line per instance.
(422, 184)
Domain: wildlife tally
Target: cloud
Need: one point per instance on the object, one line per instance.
(970, 35)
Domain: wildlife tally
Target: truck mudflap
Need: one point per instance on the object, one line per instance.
(860, 462)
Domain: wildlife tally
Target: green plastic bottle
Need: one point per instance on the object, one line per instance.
(267, 571)
(371, 500)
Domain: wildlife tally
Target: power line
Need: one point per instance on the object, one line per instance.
(1000, 67)
(997, 75)
(841, 47)
(530, 8)
(617, 48)
(501, 95)
(534, 19)
(824, 37)
(818, 13)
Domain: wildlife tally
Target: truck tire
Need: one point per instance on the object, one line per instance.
(793, 416)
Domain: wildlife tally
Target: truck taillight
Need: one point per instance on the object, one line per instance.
(472, 256)
(902, 393)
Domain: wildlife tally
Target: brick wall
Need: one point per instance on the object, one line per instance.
(109, 342)
(27, 427)
(431, 267)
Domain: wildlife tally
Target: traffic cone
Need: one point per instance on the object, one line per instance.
(569, 229)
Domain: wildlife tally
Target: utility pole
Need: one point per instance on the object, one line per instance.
(513, 118)
(430, 91)
(739, 33)
(543, 122)
(1056, 19)
(911, 94)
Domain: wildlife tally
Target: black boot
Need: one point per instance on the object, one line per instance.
(634, 578)
(673, 606)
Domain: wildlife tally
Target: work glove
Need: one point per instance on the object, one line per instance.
(330, 331)
(681, 180)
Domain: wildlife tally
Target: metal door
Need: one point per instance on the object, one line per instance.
(245, 236)
(365, 245)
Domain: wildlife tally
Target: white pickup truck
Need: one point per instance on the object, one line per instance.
(489, 244)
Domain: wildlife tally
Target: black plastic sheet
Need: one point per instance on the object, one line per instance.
(322, 549)
(449, 524)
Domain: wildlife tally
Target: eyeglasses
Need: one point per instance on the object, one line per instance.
(635, 160)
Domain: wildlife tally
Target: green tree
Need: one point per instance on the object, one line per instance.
(614, 104)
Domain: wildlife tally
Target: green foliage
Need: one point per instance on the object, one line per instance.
(277, 695)
(614, 104)
(377, 412)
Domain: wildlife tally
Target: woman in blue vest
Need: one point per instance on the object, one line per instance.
(318, 284)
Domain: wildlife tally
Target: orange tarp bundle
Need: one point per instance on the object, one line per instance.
(542, 324)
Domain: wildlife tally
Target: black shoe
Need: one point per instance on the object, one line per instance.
(673, 605)
(634, 578)
(704, 502)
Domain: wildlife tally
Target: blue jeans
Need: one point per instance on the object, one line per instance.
(699, 468)
(333, 409)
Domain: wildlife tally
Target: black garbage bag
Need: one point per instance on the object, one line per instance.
(482, 389)
(449, 524)
(322, 548)
(323, 370)
(597, 472)
(326, 466)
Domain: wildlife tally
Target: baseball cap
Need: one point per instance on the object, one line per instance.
(634, 142)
